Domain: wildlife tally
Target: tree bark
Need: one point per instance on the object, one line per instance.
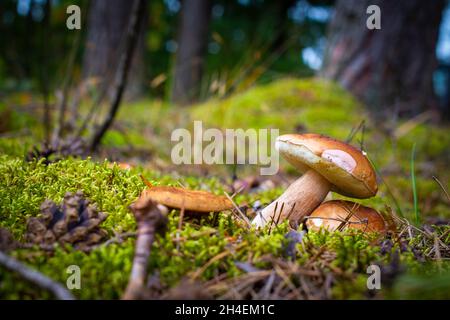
(387, 68)
(107, 25)
(123, 69)
(193, 40)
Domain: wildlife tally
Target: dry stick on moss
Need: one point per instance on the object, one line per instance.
(201, 270)
(285, 278)
(150, 221)
(218, 257)
(437, 252)
(272, 217)
(35, 277)
(236, 192)
(241, 214)
(267, 286)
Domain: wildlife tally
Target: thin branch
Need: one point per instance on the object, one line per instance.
(442, 187)
(241, 214)
(273, 216)
(65, 91)
(137, 15)
(35, 277)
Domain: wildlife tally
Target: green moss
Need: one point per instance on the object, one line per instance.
(429, 284)
(104, 272)
(25, 185)
(284, 104)
(289, 104)
(353, 250)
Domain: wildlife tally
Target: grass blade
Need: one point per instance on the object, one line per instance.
(414, 185)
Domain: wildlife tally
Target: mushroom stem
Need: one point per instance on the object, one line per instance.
(306, 193)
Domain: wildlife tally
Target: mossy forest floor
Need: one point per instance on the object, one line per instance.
(225, 259)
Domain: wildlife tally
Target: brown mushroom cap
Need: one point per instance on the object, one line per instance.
(333, 214)
(190, 200)
(344, 166)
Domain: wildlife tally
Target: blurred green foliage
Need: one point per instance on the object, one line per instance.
(292, 104)
(255, 39)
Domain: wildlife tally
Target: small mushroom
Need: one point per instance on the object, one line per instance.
(327, 165)
(339, 215)
(193, 201)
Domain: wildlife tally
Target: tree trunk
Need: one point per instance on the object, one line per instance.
(387, 68)
(137, 15)
(193, 40)
(107, 26)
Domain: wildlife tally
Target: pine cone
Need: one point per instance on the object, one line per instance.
(75, 221)
(57, 151)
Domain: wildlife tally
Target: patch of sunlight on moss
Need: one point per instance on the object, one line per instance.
(144, 113)
(114, 138)
(284, 104)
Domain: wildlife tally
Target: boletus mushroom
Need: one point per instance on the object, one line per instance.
(327, 164)
(193, 201)
(340, 215)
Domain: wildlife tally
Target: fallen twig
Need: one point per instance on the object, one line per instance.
(35, 277)
(150, 221)
(241, 214)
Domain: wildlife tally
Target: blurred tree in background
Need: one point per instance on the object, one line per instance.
(233, 44)
(106, 27)
(391, 68)
(242, 37)
(193, 41)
